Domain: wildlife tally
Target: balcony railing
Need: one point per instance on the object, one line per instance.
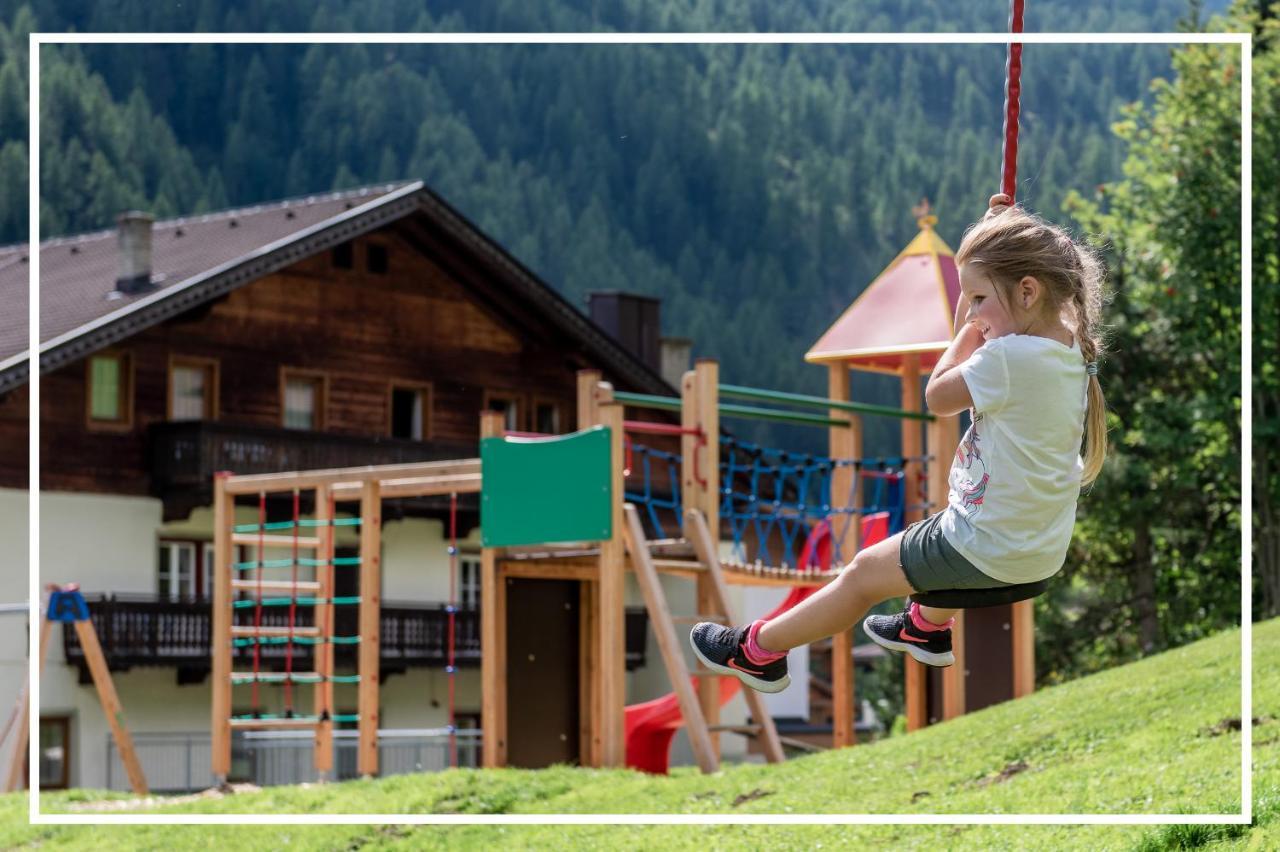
(141, 630)
(185, 455)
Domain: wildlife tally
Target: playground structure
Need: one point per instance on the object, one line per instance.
(324, 490)
(67, 605)
(587, 526)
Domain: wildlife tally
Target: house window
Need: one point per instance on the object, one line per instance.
(206, 567)
(55, 752)
(509, 405)
(110, 391)
(376, 259)
(546, 418)
(176, 576)
(410, 412)
(469, 582)
(303, 401)
(343, 256)
(193, 389)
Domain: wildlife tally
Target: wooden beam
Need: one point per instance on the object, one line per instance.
(588, 665)
(843, 444)
(549, 569)
(493, 640)
(1024, 648)
(588, 383)
(224, 518)
(370, 622)
(17, 761)
(917, 694)
(912, 436)
(415, 486)
(323, 691)
(253, 483)
(111, 704)
(953, 679)
(253, 586)
(700, 472)
(695, 724)
(253, 539)
(696, 525)
(611, 608)
(942, 435)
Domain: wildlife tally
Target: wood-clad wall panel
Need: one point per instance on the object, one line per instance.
(362, 331)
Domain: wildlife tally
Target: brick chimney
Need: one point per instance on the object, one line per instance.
(133, 241)
(633, 320)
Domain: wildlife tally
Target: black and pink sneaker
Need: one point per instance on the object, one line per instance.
(930, 645)
(721, 649)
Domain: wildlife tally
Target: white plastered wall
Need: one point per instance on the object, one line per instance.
(13, 626)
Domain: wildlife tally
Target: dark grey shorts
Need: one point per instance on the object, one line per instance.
(932, 564)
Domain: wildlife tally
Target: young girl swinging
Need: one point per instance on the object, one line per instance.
(1024, 359)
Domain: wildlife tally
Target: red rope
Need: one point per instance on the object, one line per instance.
(1013, 73)
(659, 428)
(257, 608)
(453, 603)
(293, 602)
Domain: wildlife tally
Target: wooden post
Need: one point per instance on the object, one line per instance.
(588, 405)
(17, 761)
(700, 474)
(610, 612)
(1024, 648)
(493, 639)
(370, 623)
(843, 443)
(943, 434)
(323, 652)
(954, 681)
(588, 665)
(671, 648)
(111, 704)
(912, 438)
(224, 514)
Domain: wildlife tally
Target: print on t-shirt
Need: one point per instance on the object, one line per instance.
(971, 479)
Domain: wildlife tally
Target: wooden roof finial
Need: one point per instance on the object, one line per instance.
(924, 218)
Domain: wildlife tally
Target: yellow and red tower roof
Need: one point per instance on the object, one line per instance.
(908, 309)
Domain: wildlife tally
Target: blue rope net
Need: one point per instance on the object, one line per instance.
(775, 497)
(770, 499)
(659, 496)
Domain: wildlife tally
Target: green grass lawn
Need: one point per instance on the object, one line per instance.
(1158, 736)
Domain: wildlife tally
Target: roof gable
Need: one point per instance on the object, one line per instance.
(907, 309)
(197, 259)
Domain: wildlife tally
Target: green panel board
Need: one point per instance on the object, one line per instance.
(542, 490)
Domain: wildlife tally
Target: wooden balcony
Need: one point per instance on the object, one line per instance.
(138, 631)
(184, 456)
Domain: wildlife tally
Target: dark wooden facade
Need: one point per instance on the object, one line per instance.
(432, 320)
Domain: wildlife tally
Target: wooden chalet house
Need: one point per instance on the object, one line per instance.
(362, 327)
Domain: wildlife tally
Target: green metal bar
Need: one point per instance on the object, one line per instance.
(648, 400)
(741, 392)
(756, 413)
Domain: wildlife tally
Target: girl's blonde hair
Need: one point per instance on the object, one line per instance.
(1010, 244)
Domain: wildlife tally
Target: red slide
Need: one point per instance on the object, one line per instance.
(651, 725)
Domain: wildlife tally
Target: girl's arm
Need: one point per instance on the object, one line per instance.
(946, 393)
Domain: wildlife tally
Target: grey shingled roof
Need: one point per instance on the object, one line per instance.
(198, 258)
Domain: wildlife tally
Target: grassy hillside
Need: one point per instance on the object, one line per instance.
(1158, 736)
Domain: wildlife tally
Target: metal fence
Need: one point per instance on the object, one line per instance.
(180, 762)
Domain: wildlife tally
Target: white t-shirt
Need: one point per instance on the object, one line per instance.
(1016, 475)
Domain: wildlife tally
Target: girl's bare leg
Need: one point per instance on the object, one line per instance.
(935, 615)
(873, 576)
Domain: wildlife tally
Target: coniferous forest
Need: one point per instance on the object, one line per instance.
(755, 188)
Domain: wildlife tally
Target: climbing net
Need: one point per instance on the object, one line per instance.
(770, 498)
(298, 617)
(777, 497)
